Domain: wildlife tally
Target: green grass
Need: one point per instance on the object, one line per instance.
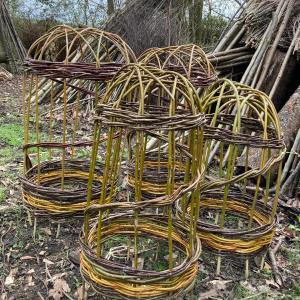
(6, 152)
(241, 292)
(11, 134)
(296, 290)
(293, 256)
(2, 194)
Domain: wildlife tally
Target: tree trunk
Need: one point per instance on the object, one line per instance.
(198, 8)
(191, 20)
(110, 7)
(195, 20)
(85, 11)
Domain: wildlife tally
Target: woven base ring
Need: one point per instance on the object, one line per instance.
(228, 240)
(42, 187)
(115, 280)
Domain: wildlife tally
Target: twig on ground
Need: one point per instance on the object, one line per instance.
(253, 296)
(278, 245)
(40, 295)
(272, 253)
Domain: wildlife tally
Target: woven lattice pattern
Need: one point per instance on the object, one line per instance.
(188, 60)
(66, 69)
(242, 146)
(141, 104)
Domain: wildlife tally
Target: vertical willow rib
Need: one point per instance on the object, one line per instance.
(104, 187)
(76, 123)
(65, 96)
(51, 118)
(37, 130)
(96, 139)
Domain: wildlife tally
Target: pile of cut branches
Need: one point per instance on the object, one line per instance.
(271, 29)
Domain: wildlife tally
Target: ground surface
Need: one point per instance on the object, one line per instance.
(44, 267)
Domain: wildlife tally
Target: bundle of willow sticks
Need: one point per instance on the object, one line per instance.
(14, 48)
(270, 32)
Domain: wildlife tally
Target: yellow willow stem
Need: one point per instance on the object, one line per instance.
(254, 201)
(199, 155)
(171, 174)
(159, 152)
(99, 229)
(170, 230)
(96, 93)
(187, 178)
(37, 130)
(170, 190)
(96, 139)
(220, 174)
(64, 135)
(230, 170)
(193, 194)
(277, 191)
(221, 159)
(107, 165)
(267, 190)
(139, 170)
(268, 182)
(104, 187)
(136, 192)
(115, 163)
(76, 122)
(51, 118)
(246, 170)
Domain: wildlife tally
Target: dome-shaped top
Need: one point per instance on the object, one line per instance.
(165, 99)
(189, 60)
(84, 53)
(241, 119)
(64, 44)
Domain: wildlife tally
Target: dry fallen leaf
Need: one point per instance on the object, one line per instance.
(217, 287)
(3, 296)
(27, 257)
(209, 294)
(60, 287)
(272, 283)
(220, 284)
(267, 267)
(59, 275)
(29, 280)
(79, 293)
(46, 230)
(10, 279)
(48, 262)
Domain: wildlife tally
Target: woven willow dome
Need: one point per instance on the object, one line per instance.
(70, 66)
(235, 218)
(189, 60)
(135, 248)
